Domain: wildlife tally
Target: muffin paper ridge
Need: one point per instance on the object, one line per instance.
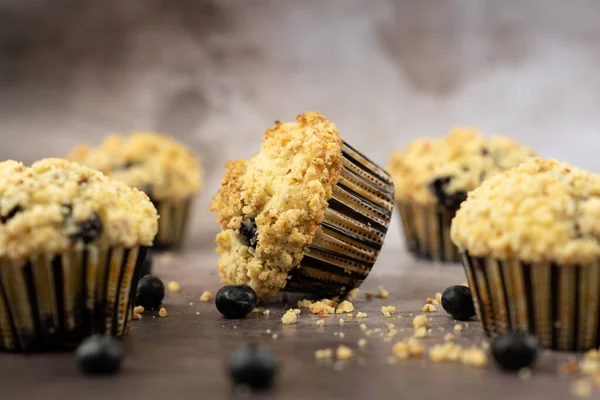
(172, 224)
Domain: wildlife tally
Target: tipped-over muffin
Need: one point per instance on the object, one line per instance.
(433, 176)
(307, 213)
(530, 240)
(167, 171)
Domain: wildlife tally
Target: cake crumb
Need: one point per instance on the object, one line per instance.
(401, 351)
(589, 366)
(174, 286)
(458, 328)
(431, 301)
(323, 354)
(362, 343)
(331, 303)
(341, 335)
(344, 353)
(266, 312)
(197, 312)
(341, 321)
(428, 308)
(353, 293)
(191, 304)
(136, 315)
(268, 331)
(382, 294)
(438, 297)
(399, 317)
(415, 347)
(525, 373)
(421, 332)
(320, 323)
(206, 296)
(138, 309)
(297, 311)
(474, 356)
(275, 336)
(363, 327)
(304, 303)
(289, 318)
(256, 310)
(387, 311)
(581, 388)
(420, 321)
(592, 355)
(162, 312)
(344, 307)
(361, 315)
(349, 316)
(449, 337)
(321, 309)
(569, 367)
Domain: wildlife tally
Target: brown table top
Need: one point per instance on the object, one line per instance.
(183, 355)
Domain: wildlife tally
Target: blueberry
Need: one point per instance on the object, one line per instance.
(150, 292)
(147, 264)
(88, 230)
(235, 301)
(457, 302)
(11, 213)
(513, 351)
(255, 366)
(250, 233)
(100, 355)
(451, 201)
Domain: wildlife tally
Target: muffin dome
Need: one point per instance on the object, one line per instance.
(156, 164)
(541, 211)
(56, 205)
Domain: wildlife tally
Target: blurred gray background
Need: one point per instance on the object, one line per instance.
(216, 73)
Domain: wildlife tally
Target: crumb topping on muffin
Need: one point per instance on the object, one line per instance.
(444, 170)
(55, 206)
(270, 206)
(541, 211)
(157, 164)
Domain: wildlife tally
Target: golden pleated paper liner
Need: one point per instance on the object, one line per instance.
(350, 237)
(427, 232)
(560, 305)
(172, 225)
(54, 302)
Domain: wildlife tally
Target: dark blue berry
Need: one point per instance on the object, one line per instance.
(11, 213)
(255, 366)
(100, 355)
(235, 301)
(457, 302)
(150, 293)
(451, 201)
(250, 233)
(88, 230)
(147, 264)
(513, 351)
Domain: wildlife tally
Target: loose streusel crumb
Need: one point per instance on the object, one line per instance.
(174, 286)
(362, 343)
(320, 323)
(428, 308)
(383, 294)
(420, 321)
(401, 351)
(421, 332)
(430, 301)
(162, 312)
(589, 366)
(361, 315)
(266, 312)
(458, 328)
(474, 356)
(206, 296)
(137, 315)
(341, 335)
(525, 373)
(297, 311)
(275, 336)
(387, 311)
(321, 309)
(197, 312)
(581, 388)
(363, 327)
(304, 303)
(569, 367)
(349, 316)
(344, 353)
(341, 321)
(256, 310)
(449, 337)
(289, 318)
(592, 354)
(353, 293)
(344, 307)
(415, 347)
(438, 297)
(138, 309)
(268, 331)
(323, 354)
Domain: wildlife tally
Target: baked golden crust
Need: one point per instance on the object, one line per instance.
(157, 164)
(47, 208)
(541, 211)
(283, 190)
(464, 155)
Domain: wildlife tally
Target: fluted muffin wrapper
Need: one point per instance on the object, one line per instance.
(172, 225)
(54, 302)
(558, 304)
(351, 235)
(427, 231)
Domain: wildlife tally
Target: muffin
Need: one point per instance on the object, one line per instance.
(530, 243)
(307, 214)
(169, 173)
(72, 242)
(432, 178)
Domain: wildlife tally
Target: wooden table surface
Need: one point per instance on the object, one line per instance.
(183, 356)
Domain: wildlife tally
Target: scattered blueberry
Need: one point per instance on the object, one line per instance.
(11, 213)
(451, 201)
(253, 365)
(457, 302)
(249, 231)
(514, 351)
(235, 301)
(89, 229)
(100, 355)
(147, 264)
(150, 293)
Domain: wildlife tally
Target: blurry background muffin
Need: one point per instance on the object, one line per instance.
(167, 171)
(432, 178)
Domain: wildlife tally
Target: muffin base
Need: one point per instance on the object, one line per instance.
(351, 235)
(560, 305)
(172, 224)
(54, 302)
(427, 231)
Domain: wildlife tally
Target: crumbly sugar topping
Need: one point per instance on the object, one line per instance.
(541, 211)
(458, 162)
(270, 206)
(157, 164)
(56, 206)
